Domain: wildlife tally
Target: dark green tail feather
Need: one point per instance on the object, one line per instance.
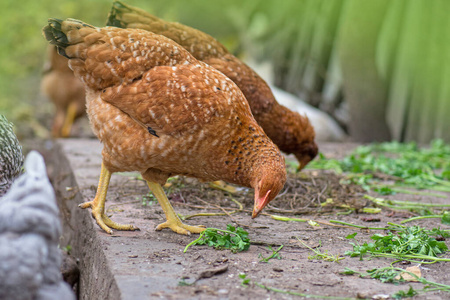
(55, 36)
(112, 17)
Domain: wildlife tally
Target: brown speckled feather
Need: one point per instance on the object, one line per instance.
(198, 43)
(212, 98)
(161, 112)
(291, 132)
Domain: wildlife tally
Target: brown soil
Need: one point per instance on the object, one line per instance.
(147, 264)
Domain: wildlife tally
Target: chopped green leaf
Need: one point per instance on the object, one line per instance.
(275, 254)
(446, 218)
(351, 236)
(245, 280)
(235, 239)
(408, 242)
(402, 294)
(406, 164)
(347, 271)
(395, 275)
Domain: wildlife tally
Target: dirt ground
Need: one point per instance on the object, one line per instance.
(147, 264)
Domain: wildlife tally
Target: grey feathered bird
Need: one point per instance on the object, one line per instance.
(11, 158)
(29, 235)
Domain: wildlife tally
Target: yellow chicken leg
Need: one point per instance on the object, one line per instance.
(221, 185)
(69, 119)
(173, 222)
(98, 205)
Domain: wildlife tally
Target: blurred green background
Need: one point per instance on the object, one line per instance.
(381, 68)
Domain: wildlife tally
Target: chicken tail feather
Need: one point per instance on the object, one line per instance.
(54, 34)
(114, 15)
(125, 16)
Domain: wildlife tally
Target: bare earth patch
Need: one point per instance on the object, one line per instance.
(147, 264)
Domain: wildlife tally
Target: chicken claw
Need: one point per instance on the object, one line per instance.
(98, 205)
(180, 228)
(103, 220)
(173, 222)
(220, 185)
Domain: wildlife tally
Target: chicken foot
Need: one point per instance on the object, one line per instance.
(98, 205)
(221, 185)
(69, 119)
(173, 221)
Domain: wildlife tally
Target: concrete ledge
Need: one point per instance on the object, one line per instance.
(79, 231)
(120, 266)
(147, 264)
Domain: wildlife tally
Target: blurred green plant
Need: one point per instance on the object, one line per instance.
(275, 254)
(23, 49)
(309, 43)
(395, 275)
(408, 243)
(406, 165)
(233, 238)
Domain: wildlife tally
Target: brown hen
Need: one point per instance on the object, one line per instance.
(65, 91)
(290, 131)
(159, 111)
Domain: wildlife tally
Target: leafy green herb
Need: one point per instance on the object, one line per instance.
(67, 249)
(148, 199)
(394, 275)
(245, 280)
(402, 294)
(437, 232)
(407, 243)
(286, 219)
(419, 207)
(386, 275)
(275, 254)
(389, 274)
(183, 282)
(235, 239)
(406, 164)
(384, 190)
(445, 218)
(351, 236)
(321, 255)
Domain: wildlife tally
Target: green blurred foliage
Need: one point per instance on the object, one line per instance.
(23, 48)
(300, 38)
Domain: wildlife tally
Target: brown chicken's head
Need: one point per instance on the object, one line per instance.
(267, 184)
(306, 153)
(303, 142)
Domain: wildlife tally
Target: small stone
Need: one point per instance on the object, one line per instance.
(222, 292)
(277, 269)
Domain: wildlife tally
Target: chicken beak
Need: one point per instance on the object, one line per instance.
(260, 203)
